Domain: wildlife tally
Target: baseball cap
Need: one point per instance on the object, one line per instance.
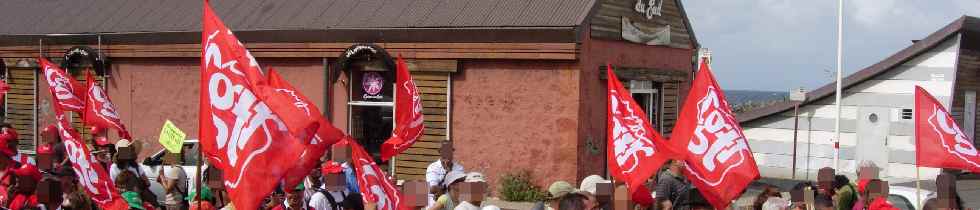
(590, 182)
(475, 177)
(559, 189)
(123, 143)
(452, 176)
(330, 167)
(28, 170)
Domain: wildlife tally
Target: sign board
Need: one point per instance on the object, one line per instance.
(798, 94)
(171, 137)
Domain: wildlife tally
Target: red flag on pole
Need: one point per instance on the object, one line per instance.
(67, 92)
(719, 160)
(408, 114)
(92, 177)
(238, 132)
(375, 187)
(635, 151)
(99, 110)
(289, 103)
(939, 141)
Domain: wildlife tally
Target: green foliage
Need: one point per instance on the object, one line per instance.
(517, 187)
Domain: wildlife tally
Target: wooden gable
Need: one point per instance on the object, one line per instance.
(650, 22)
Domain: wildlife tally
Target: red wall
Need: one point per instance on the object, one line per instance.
(595, 53)
(509, 116)
(147, 92)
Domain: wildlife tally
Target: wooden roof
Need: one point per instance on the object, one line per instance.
(32, 17)
(962, 25)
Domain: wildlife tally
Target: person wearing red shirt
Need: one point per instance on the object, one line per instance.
(7, 165)
(26, 178)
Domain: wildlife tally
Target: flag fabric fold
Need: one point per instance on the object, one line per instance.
(92, 177)
(635, 151)
(100, 111)
(68, 94)
(408, 114)
(939, 141)
(239, 133)
(296, 109)
(719, 161)
(376, 188)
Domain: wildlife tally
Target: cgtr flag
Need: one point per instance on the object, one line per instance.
(939, 142)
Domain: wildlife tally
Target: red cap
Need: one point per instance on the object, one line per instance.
(51, 129)
(102, 141)
(45, 149)
(28, 170)
(331, 167)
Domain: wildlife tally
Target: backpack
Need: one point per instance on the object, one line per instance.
(689, 197)
(351, 201)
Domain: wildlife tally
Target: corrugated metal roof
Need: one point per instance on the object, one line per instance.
(32, 17)
(960, 25)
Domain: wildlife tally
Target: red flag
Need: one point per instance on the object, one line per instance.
(99, 110)
(635, 151)
(939, 142)
(238, 132)
(408, 114)
(296, 108)
(92, 177)
(374, 185)
(719, 160)
(67, 92)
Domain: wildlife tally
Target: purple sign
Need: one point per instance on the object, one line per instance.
(372, 82)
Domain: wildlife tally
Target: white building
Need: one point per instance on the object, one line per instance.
(876, 113)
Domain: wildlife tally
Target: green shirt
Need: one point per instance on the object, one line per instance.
(846, 196)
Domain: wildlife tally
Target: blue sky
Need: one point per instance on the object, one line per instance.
(782, 44)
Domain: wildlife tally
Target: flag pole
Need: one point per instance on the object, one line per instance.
(918, 189)
(840, 44)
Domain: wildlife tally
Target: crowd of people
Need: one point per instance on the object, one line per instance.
(50, 183)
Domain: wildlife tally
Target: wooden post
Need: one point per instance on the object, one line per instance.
(796, 127)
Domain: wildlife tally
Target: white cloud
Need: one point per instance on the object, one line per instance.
(870, 13)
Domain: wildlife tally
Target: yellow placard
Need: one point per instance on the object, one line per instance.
(171, 137)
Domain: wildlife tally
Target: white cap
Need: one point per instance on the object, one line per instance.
(590, 182)
(491, 207)
(475, 177)
(452, 176)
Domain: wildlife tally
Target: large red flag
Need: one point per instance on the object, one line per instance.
(287, 102)
(634, 150)
(939, 142)
(719, 161)
(375, 187)
(239, 133)
(408, 114)
(67, 92)
(92, 177)
(99, 110)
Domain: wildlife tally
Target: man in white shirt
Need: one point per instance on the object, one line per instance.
(333, 192)
(436, 173)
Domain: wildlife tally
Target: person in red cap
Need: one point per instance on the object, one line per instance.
(52, 144)
(104, 149)
(8, 132)
(26, 178)
(7, 165)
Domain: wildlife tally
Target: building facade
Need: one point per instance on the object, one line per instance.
(515, 85)
(876, 111)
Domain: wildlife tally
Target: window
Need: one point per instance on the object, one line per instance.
(371, 106)
(906, 114)
(647, 95)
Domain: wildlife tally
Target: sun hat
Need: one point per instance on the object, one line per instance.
(590, 182)
(475, 177)
(452, 176)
